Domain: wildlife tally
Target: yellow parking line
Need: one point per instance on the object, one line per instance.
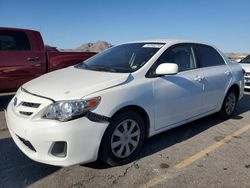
(211, 148)
(153, 182)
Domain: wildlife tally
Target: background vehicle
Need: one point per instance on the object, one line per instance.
(23, 57)
(245, 63)
(134, 91)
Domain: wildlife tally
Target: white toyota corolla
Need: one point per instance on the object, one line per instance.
(107, 106)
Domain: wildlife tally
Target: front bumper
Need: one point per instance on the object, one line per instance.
(83, 137)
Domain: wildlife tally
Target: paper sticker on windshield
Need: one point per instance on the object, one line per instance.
(152, 45)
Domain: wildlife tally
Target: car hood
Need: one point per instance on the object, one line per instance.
(73, 83)
(245, 66)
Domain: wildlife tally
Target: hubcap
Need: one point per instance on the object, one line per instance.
(125, 138)
(230, 103)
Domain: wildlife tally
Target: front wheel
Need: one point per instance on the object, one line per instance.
(229, 104)
(123, 138)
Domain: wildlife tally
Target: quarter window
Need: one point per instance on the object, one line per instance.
(208, 56)
(14, 41)
(182, 55)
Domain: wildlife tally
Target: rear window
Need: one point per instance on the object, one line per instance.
(207, 56)
(14, 41)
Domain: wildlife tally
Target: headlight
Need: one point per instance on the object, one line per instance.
(67, 110)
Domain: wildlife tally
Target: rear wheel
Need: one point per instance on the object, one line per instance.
(229, 104)
(123, 138)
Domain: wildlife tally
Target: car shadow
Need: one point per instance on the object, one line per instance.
(17, 170)
(174, 136)
(4, 101)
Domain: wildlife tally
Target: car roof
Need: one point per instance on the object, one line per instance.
(168, 41)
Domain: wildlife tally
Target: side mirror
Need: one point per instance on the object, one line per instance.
(167, 69)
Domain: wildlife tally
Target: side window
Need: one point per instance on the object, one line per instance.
(14, 41)
(207, 56)
(182, 55)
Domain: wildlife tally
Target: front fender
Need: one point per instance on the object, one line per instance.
(138, 94)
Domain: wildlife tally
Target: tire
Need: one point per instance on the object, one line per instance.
(119, 147)
(229, 104)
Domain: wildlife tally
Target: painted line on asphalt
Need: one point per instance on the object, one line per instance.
(155, 181)
(211, 148)
(159, 179)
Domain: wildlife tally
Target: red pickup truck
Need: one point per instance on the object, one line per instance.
(23, 57)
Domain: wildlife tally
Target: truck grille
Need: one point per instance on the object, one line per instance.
(247, 74)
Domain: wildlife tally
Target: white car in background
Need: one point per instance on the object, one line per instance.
(245, 63)
(107, 106)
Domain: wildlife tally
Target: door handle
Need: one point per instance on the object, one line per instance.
(227, 72)
(33, 59)
(198, 78)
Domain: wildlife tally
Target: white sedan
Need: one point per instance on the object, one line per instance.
(245, 63)
(107, 106)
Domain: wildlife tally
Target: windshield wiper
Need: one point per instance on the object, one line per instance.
(81, 65)
(101, 68)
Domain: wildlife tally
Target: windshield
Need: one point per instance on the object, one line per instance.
(123, 58)
(246, 60)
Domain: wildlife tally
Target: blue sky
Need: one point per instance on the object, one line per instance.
(68, 24)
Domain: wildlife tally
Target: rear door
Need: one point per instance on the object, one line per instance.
(19, 63)
(216, 76)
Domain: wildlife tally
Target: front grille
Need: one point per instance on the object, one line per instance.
(27, 108)
(26, 143)
(247, 84)
(247, 74)
(30, 104)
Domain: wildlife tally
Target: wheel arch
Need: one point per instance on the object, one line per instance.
(142, 112)
(235, 87)
(222, 112)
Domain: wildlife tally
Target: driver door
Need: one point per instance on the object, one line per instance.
(178, 98)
